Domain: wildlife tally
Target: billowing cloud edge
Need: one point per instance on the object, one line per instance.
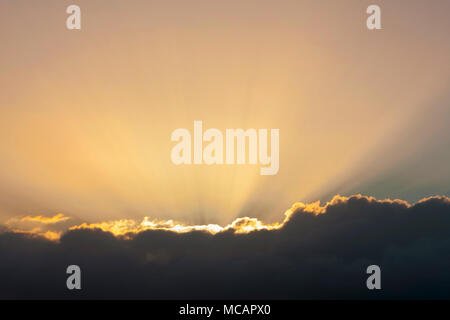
(128, 228)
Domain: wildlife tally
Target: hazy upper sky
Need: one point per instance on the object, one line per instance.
(86, 116)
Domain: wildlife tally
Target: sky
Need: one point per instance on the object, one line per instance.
(86, 116)
(86, 176)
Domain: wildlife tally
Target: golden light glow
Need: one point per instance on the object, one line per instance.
(86, 117)
(50, 235)
(124, 227)
(127, 228)
(55, 219)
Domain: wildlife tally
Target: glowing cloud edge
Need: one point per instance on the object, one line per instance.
(127, 228)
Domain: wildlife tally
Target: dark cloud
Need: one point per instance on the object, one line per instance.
(313, 256)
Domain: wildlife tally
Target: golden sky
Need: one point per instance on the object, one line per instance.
(86, 116)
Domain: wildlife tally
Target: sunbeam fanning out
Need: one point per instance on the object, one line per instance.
(86, 119)
(225, 149)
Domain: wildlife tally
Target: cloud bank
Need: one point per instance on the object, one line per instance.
(316, 252)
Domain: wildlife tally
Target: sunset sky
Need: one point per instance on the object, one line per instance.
(86, 116)
(87, 177)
